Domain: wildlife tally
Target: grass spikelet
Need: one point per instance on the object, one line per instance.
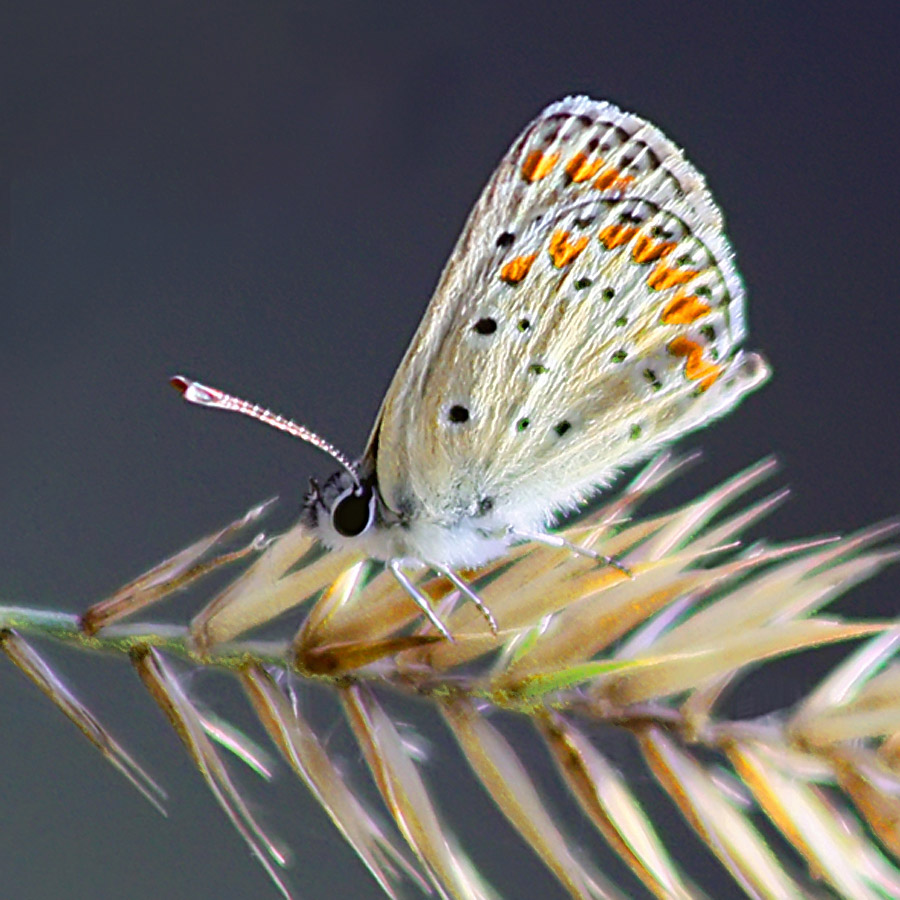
(582, 645)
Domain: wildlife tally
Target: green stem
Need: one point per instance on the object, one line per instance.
(121, 639)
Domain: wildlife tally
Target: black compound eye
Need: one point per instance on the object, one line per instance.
(353, 513)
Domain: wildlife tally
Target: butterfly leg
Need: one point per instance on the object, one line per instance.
(467, 590)
(421, 600)
(556, 540)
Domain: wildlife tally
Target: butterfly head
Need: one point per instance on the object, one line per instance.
(346, 507)
(342, 509)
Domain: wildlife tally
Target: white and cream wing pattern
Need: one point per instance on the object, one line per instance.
(590, 311)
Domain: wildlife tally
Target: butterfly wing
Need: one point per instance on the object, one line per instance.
(590, 311)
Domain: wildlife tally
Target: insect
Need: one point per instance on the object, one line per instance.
(590, 312)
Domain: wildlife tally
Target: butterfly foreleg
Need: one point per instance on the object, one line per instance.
(395, 565)
(467, 590)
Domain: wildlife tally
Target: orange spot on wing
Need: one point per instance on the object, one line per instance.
(663, 277)
(646, 250)
(538, 165)
(516, 269)
(683, 309)
(615, 235)
(562, 252)
(696, 368)
(612, 179)
(580, 168)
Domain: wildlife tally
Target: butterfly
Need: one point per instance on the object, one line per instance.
(590, 312)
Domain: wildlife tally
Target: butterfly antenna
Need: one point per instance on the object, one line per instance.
(204, 395)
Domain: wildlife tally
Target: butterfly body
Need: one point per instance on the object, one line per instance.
(460, 539)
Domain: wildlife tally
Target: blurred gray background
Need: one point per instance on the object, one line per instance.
(263, 195)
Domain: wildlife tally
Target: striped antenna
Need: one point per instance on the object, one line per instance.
(204, 395)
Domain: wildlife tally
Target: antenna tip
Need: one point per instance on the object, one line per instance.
(180, 383)
(201, 394)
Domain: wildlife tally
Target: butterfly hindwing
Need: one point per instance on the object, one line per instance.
(590, 311)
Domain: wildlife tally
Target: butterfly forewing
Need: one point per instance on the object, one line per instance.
(590, 311)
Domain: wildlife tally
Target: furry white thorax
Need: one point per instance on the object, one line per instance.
(466, 544)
